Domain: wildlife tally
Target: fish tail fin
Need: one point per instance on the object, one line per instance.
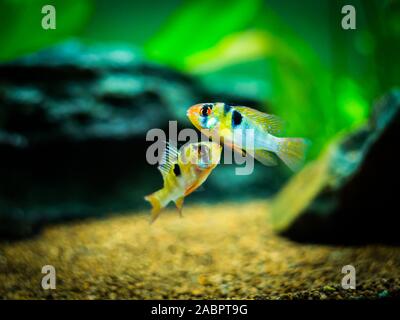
(156, 205)
(292, 151)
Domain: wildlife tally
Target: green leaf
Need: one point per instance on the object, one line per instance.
(199, 25)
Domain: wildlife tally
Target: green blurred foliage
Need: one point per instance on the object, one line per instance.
(21, 29)
(248, 49)
(198, 25)
(127, 20)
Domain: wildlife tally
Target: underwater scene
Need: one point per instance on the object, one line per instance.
(189, 149)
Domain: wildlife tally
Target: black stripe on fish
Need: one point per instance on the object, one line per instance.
(227, 108)
(177, 170)
(236, 118)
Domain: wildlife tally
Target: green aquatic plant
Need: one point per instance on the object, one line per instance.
(199, 25)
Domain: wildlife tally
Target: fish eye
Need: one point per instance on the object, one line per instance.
(205, 110)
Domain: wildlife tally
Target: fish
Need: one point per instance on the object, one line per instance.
(228, 124)
(183, 171)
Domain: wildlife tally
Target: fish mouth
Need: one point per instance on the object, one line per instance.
(193, 110)
(190, 111)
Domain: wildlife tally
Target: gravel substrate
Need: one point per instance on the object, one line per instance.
(223, 251)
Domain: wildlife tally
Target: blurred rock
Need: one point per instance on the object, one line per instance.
(349, 195)
(73, 122)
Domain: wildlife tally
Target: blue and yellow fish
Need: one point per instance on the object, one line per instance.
(183, 172)
(228, 124)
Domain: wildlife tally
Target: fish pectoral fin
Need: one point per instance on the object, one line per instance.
(179, 204)
(168, 160)
(267, 158)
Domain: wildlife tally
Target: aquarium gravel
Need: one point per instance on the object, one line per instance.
(214, 251)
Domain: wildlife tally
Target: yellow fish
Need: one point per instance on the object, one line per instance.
(183, 172)
(228, 124)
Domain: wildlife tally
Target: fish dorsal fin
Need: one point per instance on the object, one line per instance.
(168, 159)
(272, 124)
